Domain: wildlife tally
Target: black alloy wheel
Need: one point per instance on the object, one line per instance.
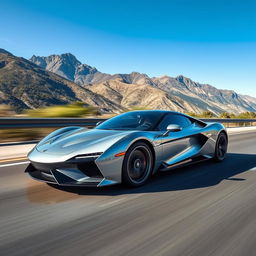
(221, 147)
(137, 165)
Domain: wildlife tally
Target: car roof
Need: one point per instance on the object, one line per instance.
(169, 111)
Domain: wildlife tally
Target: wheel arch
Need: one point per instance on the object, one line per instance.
(225, 132)
(150, 146)
(218, 158)
(126, 179)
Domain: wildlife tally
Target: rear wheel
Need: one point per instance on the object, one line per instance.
(137, 165)
(221, 147)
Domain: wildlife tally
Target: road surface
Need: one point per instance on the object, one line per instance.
(205, 209)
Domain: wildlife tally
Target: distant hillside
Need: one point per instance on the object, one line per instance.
(194, 96)
(24, 85)
(62, 79)
(205, 96)
(133, 95)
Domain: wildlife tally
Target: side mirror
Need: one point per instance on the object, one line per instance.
(100, 122)
(172, 128)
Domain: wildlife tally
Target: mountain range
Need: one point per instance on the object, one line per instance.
(24, 85)
(61, 79)
(178, 93)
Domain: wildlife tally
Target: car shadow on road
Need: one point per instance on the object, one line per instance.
(199, 175)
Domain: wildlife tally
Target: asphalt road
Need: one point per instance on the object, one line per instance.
(205, 209)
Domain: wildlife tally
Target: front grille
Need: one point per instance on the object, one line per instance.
(48, 167)
(89, 168)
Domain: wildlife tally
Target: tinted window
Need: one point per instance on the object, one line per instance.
(174, 119)
(136, 120)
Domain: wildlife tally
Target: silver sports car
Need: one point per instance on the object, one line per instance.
(127, 148)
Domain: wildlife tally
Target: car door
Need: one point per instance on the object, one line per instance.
(175, 143)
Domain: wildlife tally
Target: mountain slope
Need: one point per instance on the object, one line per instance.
(199, 97)
(204, 95)
(141, 95)
(24, 85)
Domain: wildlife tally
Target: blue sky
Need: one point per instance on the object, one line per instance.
(209, 41)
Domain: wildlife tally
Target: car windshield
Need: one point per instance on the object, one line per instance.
(136, 120)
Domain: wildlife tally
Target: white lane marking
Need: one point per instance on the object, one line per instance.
(112, 202)
(19, 163)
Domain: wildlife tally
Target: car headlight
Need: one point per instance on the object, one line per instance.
(96, 154)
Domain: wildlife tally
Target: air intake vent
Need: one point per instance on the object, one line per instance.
(90, 169)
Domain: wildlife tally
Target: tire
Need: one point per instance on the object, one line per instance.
(221, 147)
(137, 165)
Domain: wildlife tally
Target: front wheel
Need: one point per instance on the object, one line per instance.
(137, 165)
(221, 147)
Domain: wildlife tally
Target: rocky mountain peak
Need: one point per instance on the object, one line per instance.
(66, 58)
(186, 81)
(65, 65)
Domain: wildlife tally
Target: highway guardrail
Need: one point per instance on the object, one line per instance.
(7, 123)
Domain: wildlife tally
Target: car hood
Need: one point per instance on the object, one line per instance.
(82, 141)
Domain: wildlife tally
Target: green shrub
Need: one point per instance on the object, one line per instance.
(247, 115)
(72, 110)
(209, 114)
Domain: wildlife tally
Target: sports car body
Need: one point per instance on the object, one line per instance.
(127, 148)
